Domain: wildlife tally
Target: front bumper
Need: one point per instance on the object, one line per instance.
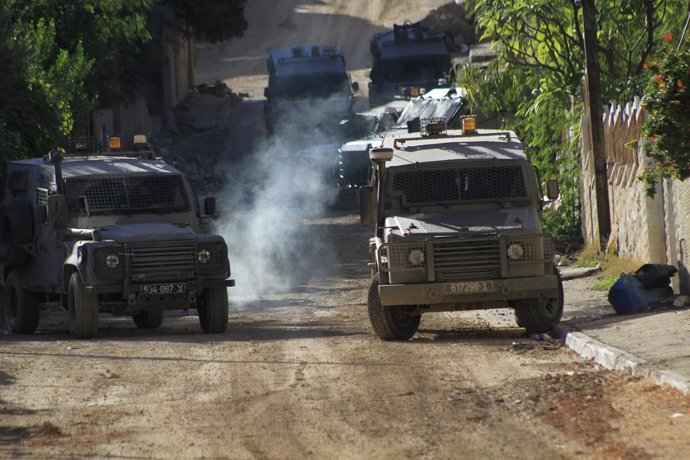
(498, 291)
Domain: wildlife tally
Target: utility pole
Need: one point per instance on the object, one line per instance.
(596, 121)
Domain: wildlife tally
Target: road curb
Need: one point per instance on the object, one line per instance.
(568, 273)
(616, 359)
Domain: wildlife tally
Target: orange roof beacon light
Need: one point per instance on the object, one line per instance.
(469, 124)
(114, 144)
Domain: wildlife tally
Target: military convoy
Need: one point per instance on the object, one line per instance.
(300, 75)
(406, 62)
(120, 232)
(456, 226)
(455, 212)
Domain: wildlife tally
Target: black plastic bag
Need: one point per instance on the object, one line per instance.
(655, 275)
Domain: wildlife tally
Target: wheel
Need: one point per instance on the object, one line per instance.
(542, 314)
(20, 306)
(213, 313)
(82, 309)
(16, 229)
(150, 319)
(391, 322)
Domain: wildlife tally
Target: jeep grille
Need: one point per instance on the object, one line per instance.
(467, 260)
(438, 186)
(162, 262)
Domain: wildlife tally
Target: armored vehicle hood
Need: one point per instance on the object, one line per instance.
(424, 225)
(142, 233)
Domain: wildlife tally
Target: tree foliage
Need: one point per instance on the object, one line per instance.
(539, 75)
(63, 58)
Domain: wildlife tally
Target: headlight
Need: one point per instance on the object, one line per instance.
(112, 261)
(203, 256)
(416, 257)
(515, 251)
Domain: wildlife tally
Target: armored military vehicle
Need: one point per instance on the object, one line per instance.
(299, 75)
(117, 232)
(406, 62)
(352, 166)
(456, 220)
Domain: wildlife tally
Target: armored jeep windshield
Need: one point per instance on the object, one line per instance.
(310, 86)
(446, 185)
(140, 193)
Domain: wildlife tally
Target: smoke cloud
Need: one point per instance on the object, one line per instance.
(271, 198)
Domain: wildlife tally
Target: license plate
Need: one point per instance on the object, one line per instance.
(469, 287)
(164, 288)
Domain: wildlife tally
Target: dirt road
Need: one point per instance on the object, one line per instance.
(299, 374)
(349, 24)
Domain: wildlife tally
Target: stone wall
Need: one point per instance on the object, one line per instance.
(653, 230)
(134, 117)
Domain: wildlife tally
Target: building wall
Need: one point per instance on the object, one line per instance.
(134, 117)
(651, 230)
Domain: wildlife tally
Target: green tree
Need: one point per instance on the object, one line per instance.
(41, 83)
(539, 74)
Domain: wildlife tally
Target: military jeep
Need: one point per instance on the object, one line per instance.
(456, 219)
(118, 233)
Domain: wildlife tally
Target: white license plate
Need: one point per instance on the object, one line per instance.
(469, 287)
(164, 288)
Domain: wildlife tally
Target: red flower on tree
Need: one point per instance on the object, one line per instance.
(668, 38)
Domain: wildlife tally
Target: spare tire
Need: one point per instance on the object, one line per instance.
(16, 230)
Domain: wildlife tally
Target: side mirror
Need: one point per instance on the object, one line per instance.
(552, 189)
(355, 86)
(56, 209)
(210, 206)
(366, 214)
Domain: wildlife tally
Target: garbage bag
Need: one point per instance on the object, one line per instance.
(655, 275)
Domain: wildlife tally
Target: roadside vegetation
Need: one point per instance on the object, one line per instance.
(611, 265)
(64, 58)
(535, 85)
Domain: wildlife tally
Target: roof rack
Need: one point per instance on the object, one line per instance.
(507, 136)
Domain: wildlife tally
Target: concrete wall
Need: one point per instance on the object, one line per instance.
(134, 117)
(652, 230)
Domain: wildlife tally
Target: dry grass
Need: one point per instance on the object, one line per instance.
(612, 265)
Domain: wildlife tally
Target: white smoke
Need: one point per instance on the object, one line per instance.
(270, 198)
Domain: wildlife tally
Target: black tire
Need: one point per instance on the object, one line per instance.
(540, 315)
(151, 319)
(213, 313)
(82, 309)
(390, 323)
(16, 229)
(21, 307)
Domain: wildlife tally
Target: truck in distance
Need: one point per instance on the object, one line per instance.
(406, 62)
(301, 74)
